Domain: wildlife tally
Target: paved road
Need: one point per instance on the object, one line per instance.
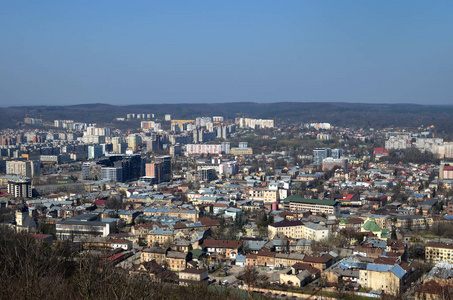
(231, 275)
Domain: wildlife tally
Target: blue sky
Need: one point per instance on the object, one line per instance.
(143, 52)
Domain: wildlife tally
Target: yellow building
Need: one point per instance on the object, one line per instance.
(153, 253)
(439, 252)
(177, 261)
(241, 151)
(290, 229)
(160, 237)
(270, 196)
(387, 278)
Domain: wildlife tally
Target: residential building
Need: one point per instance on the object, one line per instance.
(153, 253)
(177, 261)
(381, 277)
(228, 248)
(193, 276)
(20, 188)
(315, 206)
(435, 251)
(290, 229)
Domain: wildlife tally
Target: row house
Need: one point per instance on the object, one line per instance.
(413, 221)
(298, 230)
(180, 214)
(273, 259)
(320, 262)
(315, 206)
(288, 260)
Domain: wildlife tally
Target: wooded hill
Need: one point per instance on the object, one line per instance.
(354, 115)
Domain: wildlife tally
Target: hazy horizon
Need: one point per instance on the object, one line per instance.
(157, 52)
(232, 102)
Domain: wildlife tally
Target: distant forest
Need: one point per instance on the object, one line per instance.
(353, 115)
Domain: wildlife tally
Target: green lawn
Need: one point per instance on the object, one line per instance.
(430, 235)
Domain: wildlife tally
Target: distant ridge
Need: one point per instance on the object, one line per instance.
(341, 114)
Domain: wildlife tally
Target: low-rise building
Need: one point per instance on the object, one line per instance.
(290, 229)
(85, 225)
(315, 206)
(177, 261)
(193, 276)
(435, 251)
(380, 277)
(153, 253)
(229, 248)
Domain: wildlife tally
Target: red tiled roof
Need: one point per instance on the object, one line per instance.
(119, 241)
(208, 222)
(347, 197)
(222, 244)
(266, 253)
(386, 260)
(318, 259)
(439, 245)
(302, 266)
(355, 221)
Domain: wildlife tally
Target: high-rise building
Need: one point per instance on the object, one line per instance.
(23, 168)
(112, 173)
(134, 142)
(20, 188)
(160, 169)
(320, 153)
(166, 167)
(207, 175)
(225, 147)
(337, 153)
(95, 151)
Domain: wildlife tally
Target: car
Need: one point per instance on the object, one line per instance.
(225, 282)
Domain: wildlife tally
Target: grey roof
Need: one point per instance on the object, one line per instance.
(240, 258)
(378, 243)
(155, 250)
(443, 270)
(303, 242)
(254, 245)
(379, 268)
(172, 254)
(398, 271)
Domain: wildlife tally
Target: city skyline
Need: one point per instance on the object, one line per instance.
(154, 52)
